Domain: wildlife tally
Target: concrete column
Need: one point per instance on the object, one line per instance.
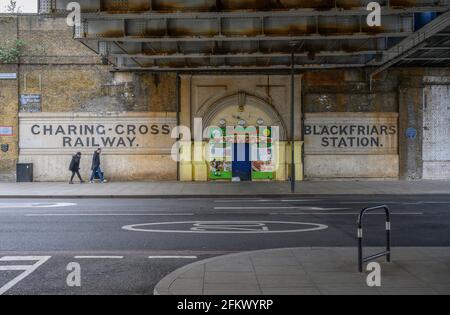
(281, 171)
(186, 168)
(298, 160)
(411, 118)
(200, 167)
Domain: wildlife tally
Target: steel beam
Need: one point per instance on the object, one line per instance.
(240, 68)
(258, 14)
(245, 55)
(244, 38)
(411, 44)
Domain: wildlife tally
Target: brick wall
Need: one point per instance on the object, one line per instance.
(8, 104)
(69, 77)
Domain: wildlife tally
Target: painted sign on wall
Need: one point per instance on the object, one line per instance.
(136, 132)
(351, 133)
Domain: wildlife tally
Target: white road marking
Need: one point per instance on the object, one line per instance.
(14, 268)
(310, 227)
(105, 214)
(347, 213)
(302, 200)
(27, 270)
(20, 258)
(394, 202)
(172, 257)
(269, 208)
(241, 200)
(99, 257)
(263, 200)
(253, 226)
(36, 205)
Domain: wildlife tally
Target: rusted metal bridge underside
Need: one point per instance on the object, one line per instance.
(261, 35)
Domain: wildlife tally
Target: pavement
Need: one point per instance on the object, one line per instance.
(311, 271)
(220, 189)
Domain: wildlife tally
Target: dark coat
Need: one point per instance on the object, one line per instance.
(75, 163)
(95, 160)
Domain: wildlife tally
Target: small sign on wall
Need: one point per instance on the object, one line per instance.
(411, 133)
(8, 76)
(6, 131)
(30, 103)
(4, 148)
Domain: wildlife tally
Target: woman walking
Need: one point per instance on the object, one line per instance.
(75, 168)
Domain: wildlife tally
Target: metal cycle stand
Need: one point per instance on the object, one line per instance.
(387, 253)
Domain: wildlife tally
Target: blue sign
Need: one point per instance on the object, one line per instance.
(411, 133)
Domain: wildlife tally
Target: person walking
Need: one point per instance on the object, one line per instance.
(75, 168)
(96, 167)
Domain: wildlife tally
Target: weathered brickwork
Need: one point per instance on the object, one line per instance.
(8, 117)
(348, 91)
(397, 90)
(8, 104)
(69, 77)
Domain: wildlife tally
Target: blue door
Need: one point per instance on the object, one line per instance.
(242, 165)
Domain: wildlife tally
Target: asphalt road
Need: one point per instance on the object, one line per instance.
(127, 246)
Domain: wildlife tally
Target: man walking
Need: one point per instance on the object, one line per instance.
(75, 168)
(96, 169)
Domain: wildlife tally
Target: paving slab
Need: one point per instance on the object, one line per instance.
(312, 271)
(220, 189)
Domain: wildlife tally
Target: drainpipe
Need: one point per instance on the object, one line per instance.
(302, 112)
(18, 100)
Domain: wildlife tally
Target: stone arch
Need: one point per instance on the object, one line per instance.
(246, 100)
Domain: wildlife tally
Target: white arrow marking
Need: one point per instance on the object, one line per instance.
(28, 269)
(36, 205)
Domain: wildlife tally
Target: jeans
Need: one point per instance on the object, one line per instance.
(98, 171)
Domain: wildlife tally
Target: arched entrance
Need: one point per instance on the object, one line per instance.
(243, 107)
(242, 133)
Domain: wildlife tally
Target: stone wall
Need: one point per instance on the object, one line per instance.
(344, 98)
(399, 90)
(411, 109)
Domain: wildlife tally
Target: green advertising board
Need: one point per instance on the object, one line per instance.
(221, 155)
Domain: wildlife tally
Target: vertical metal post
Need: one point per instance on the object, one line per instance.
(178, 97)
(293, 179)
(388, 236)
(360, 247)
